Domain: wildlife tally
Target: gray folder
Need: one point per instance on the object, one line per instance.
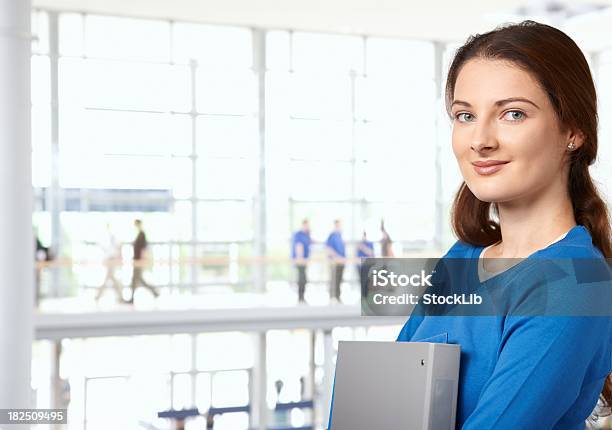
(395, 386)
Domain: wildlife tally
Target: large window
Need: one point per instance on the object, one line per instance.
(153, 120)
(167, 121)
(351, 134)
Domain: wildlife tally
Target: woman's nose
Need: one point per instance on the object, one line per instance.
(484, 138)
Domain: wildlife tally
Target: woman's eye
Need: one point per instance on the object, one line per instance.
(464, 117)
(514, 115)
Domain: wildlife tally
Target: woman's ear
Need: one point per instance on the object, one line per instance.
(575, 139)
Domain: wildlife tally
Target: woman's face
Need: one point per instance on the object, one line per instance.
(506, 136)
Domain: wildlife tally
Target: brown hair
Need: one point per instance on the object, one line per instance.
(555, 60)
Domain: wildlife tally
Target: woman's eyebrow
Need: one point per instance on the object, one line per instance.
(498, 102)
(515, 99)
(460, 102)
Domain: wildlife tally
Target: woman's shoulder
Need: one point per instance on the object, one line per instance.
(462, 250)
(578, 243)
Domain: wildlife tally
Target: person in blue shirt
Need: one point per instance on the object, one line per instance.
(300, 252)
(523, 106)
(337, 255)
(365, 249)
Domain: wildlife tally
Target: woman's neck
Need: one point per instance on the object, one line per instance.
(531, 226)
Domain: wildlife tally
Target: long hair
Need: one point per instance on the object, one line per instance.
(555, 60)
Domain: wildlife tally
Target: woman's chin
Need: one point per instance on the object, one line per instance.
(489, 194)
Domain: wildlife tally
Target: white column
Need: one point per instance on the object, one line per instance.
(16, 236)
(193, 114)
(56, 380)
(259, 384)
(55, 192)
(260, 237)
(441, 206)
(328, 375)
(310, 389)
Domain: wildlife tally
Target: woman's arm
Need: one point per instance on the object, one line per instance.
(541, 367)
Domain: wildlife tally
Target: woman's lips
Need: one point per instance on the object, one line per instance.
(488, 167)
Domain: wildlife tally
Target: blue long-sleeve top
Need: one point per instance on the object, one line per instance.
(527, 372)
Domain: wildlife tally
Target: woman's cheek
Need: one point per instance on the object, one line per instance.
(459, 143)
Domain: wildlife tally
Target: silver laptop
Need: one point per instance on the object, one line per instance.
(395, 385)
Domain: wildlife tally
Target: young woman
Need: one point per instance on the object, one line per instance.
(524, 112)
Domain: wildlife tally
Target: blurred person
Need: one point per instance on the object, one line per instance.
(112, 257)
(140, 247)
(365, 249)
(300, 252)
(42, 253)
(302, 388)
(337, 255)
(386, 244)
(280, 418)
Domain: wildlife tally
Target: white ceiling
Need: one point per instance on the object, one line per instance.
(434, 19)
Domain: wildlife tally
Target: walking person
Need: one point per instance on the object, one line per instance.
(140, 246)
(112, 258)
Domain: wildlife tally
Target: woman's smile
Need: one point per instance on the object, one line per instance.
(488, 167)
